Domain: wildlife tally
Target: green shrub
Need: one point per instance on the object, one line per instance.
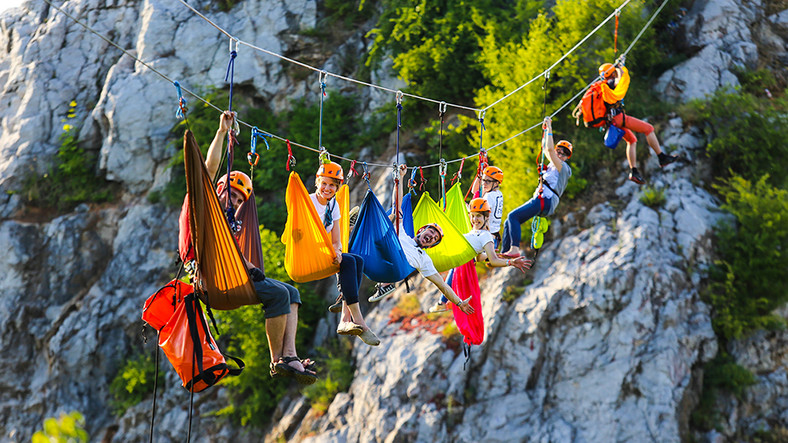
(72, 179)
(652, 197)
(69, 428)
(336, 374)
(747, 133)
(133, 382)
(748, 281)
(721, 374)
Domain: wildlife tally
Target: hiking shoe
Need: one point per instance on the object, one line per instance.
(666, 159)
(337, 306)
(369, 338)
(438, 307)
(382, 289)
(634, 176)
(353, 216)
(349, 328)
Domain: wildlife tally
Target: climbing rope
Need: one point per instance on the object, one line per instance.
(322, 96)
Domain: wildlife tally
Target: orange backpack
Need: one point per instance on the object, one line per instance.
(592, 107)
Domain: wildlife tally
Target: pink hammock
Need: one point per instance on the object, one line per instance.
(466, 284)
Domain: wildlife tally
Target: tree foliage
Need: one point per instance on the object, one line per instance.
(510, 64)
(747, 133)
(749, 280)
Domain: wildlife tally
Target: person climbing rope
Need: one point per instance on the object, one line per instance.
(491, 180)
(483, 243)
(426, 236)
(552, 183)
(328, 179)
(280, 301)
(615, 83)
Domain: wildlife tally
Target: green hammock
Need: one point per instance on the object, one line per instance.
(456, 209)
(454, 250)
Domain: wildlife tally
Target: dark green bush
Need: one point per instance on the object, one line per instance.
(747, 134)
(748, 281)
(133, 382)
(72, 179)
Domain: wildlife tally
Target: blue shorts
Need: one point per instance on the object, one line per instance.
(276, 296)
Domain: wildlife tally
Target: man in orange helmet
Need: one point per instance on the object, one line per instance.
(426, 236)
(280, 300)
(615, 84)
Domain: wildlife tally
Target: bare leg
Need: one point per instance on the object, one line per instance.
(275, 331)
(357, 317)
(346, 314)
(631, 155)
(654, 143)
(288, 338)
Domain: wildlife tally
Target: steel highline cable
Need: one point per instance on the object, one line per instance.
(207, 103)
(371, 85)
(546, 71)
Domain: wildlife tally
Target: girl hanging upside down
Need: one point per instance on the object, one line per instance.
(546, 196)
(483, 243)
(327, 181)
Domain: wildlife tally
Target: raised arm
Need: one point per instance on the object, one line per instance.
(549, 145)
(214, 158)
(450, 294)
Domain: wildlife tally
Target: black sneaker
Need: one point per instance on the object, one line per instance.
(634, 175)
(666, 159)
(382, 289)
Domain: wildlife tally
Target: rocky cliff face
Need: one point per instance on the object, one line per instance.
(605, 344)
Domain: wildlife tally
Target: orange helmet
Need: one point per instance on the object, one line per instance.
(434, 226)
(239, 181)
(607, 70)
(494, 173)
(480, 205)
(565, 144)
(331, 170)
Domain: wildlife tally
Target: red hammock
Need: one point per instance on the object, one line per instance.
(465, 283)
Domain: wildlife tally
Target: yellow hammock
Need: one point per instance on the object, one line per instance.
(454, 250)
(222, 270)
(456, 209)
(343, 199)
(309, 254)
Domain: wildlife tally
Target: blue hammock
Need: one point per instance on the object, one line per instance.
(375, 240)
(407, 213)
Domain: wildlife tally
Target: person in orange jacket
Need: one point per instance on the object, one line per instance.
(615, 84)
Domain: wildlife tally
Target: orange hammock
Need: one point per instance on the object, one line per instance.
(225, 280)
(309, 253)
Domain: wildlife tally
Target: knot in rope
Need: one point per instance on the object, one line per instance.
(365, 175)
(291, 160)
(412, 181)
(180, 112)
(352, 170)
(458, 174)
